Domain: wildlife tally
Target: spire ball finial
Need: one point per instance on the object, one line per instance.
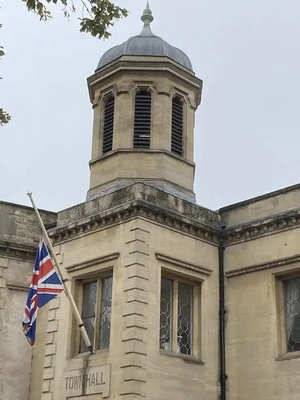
(147, 17)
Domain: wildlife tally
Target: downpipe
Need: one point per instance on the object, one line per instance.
(222, 315)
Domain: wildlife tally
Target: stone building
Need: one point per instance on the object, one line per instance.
(179, 301)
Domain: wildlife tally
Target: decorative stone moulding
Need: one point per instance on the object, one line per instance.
(17, 251)
(263, 227)
(231, 235)
(128, 212)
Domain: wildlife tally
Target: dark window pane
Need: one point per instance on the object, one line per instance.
(184, 332)
(88, 312)
(177, 126)
(142, 120)
(165, 335)
(108, 126)
(105, 317)
(292, 313)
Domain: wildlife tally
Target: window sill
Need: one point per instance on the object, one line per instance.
(183, 357)
(97, 353)
(289, 356)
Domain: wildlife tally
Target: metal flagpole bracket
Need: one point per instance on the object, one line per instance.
(66, 287)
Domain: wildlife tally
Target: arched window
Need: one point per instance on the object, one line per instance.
(142, 120)
(108, 125)
(177, 126)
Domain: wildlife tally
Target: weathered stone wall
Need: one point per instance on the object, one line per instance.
(136, 248)
(18, 224)
(138, 232)
(258, 254)
(19, 234)
(138, 193)
(265, 206)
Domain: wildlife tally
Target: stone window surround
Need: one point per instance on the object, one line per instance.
(196, 307)
(195, 275)
(81, 273)
(79, 300)
(283, 353)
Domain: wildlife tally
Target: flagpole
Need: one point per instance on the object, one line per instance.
(67, 290)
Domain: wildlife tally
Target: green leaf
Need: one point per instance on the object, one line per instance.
(96, 18)
(4, 117)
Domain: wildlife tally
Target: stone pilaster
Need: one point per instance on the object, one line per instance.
(51, 340)
(135, 313)
(50, 350)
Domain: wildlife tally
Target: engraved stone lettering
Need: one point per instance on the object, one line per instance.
(87, 381)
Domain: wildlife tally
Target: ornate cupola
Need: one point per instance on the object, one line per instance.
(144, 94)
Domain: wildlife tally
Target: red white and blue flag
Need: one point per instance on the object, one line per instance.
(45, 285)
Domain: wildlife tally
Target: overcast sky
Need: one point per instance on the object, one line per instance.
(247, 127)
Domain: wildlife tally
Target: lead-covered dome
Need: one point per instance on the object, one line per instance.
(146, 44)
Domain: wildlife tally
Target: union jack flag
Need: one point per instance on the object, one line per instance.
(45, 285)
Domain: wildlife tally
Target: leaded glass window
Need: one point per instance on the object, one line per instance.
(105, 317)
(166, 306)
(177, 304)
(96, 312)
(184, 327)
(292, 313)
(88, 312)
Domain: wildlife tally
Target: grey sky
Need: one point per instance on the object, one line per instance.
(247, 127)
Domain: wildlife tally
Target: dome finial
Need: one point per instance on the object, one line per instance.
(147, 17)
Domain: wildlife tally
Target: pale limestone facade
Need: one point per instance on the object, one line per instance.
(123, 165)
(19, 236)
(262, 248)
(140, 224)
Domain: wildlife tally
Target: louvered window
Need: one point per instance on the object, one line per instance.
(108, 127)
(177, 126)
(142, 120)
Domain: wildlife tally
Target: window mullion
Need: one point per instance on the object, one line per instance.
(175, 316)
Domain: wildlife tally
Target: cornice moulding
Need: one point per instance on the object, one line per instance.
(262, 266)
(189, 266)
(262, 227)
(17, 251)
(120, 66)
(136, 208)
(13, 285)
(94, 261)
(133, 63)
